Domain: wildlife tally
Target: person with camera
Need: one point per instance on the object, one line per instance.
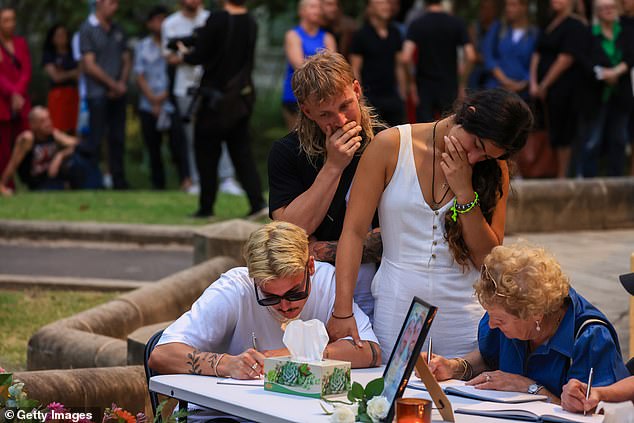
(176, 27)
(226, 48)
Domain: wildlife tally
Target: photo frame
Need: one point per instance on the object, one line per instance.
(406, 351)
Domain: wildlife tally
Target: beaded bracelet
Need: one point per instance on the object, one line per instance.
(463, 208)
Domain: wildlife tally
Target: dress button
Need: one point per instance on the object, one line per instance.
(436, 212)
(435, 243)
(435, 227)
(433, 256)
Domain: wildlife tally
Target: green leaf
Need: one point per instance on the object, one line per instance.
(374, 388)
(362, 407)
(364, 418)
(356, 391)
(6, 379)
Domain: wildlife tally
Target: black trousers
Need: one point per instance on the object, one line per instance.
(207, 146)
(107, 118)
(177, 144)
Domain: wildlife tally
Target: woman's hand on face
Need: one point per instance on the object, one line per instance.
(501, 381)
(573, 397)
(457, 169)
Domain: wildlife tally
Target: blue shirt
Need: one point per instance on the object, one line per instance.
(149, 62)
(562, 357)
(513, 57)
(310, 46)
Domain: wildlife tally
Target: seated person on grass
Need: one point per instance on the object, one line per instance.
(280, 283)
(45, 158)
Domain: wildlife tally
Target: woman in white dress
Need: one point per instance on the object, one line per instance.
(441, 190)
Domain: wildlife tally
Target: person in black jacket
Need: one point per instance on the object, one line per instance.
(226, 47)
(605, 124)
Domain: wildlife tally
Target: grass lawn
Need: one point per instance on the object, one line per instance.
(22, 313)
(164, 207)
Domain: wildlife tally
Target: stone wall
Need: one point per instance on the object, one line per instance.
(551, 205)
(98, 337)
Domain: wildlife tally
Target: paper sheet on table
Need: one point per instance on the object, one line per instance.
(458, 387)
(242, 382)
(532, 411)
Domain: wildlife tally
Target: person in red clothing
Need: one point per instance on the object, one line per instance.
(15, 75)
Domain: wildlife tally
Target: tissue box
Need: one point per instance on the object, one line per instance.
(316, 379)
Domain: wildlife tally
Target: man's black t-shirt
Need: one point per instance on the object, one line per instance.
(291, 174)
(438, 35)
(221, 60)
(379, 59)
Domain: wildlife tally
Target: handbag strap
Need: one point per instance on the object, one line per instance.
(13, 57)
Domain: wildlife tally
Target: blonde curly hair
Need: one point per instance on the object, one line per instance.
(276, 250)
(322, 76)
(525, 280)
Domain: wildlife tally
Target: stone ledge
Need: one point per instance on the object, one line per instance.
(549, 205)
(65, 282)
(102, 232)
(97, 337)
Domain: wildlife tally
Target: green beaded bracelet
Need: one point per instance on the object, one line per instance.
(463, 208)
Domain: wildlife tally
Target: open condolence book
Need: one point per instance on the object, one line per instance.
(532, 412)
(458, 387)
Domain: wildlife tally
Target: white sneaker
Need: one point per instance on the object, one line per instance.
(107, 181)
(231, 186)
(194, 189)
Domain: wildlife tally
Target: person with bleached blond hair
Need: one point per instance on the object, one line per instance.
(281, 282)
(538, 332)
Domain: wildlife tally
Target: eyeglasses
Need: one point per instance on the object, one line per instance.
(290, 296)
(486, 275)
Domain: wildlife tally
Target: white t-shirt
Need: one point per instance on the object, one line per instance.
(177, 25)
(226, 314)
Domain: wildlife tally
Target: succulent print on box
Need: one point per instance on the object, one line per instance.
(292, 374)
(316, 379)
(336, 382)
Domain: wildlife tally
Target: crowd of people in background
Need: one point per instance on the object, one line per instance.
(410, 70)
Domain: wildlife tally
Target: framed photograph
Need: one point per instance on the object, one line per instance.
(406, 351)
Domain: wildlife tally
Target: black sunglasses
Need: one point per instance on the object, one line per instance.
(291, 296)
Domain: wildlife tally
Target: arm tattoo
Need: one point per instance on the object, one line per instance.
(196, 358)
(372, 248)
(324, 250)
(194, 362)
(213, 359)
(374, 354)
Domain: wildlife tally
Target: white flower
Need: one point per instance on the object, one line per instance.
(343, 414)
(378, 408)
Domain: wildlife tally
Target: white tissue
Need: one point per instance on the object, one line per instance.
(306, 340)
(617, 412)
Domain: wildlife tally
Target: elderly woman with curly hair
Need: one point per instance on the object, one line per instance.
(537, 333)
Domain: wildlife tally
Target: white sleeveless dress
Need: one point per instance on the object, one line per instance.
(417, 262)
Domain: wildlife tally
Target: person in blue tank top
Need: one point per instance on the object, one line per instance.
(299, 43)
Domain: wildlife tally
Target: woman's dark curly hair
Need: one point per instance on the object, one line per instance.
(505, 119)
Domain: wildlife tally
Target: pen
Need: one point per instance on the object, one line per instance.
(254, 340)
(429, 352)
(589, 387)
